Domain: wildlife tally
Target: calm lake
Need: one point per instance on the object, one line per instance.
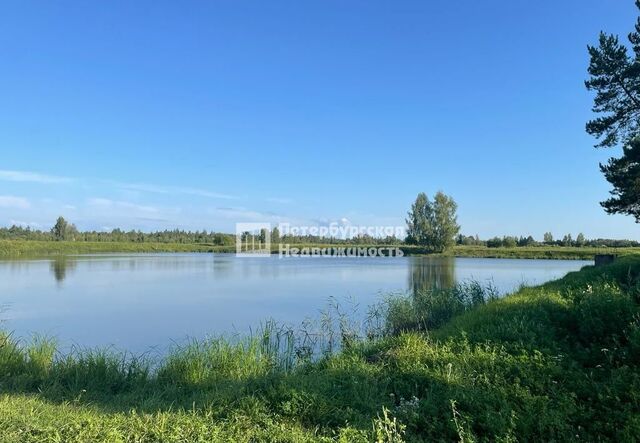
(143, 301)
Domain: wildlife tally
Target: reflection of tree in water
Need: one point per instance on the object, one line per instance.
(3, 311)
(427, 273)
(60, 266)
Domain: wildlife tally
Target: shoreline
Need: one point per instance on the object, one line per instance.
(14, 249)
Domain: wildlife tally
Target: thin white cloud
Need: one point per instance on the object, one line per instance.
(106, 203)
(34, 177)
(244, 214)
(158, 189)
(344, 221)
(24, 224)
(9, 201)
(280, 200)
(203, 193)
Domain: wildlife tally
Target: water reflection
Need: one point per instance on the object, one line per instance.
(427, 273)
(60, 266)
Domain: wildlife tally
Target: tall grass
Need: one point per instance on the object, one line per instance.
(428, 309)
(37, 364)
(34, 248)
(271, 348)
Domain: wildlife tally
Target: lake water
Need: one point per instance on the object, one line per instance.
(140, 301)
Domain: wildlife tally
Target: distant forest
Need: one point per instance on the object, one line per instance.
(548, 240)
(63, 230)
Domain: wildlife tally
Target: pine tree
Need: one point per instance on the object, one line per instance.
(615, 78)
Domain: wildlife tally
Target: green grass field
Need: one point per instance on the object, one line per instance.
(32, 248)
(539, 252)
(557, 362)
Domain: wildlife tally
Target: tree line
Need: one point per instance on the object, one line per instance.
(65, 231)
(430, 224)
(548, 240)
(433, 225)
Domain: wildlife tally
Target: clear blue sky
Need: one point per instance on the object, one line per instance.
(158, 114)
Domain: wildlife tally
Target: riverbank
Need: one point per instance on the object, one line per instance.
(558, 362)
(536, 252)
(32, 248)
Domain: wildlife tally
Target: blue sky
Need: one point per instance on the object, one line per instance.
(154, 115)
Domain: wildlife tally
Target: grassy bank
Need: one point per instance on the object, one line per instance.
(557, 362)
(537, 252)
(531, 252)
(22, 248)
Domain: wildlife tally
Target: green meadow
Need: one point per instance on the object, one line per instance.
(34, 248)
(555, 362)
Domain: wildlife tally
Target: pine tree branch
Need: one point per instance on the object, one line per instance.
(629, 94)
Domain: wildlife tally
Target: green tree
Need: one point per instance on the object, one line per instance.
(275, 235)
(419, 221)
(567, 240)
(445, 222)
(548, 238)
(63, 230)
(624, 174)
(580, 240)
(59, 230)
(262, 237)
(526, 241)
(434, 224)
(615, 79)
